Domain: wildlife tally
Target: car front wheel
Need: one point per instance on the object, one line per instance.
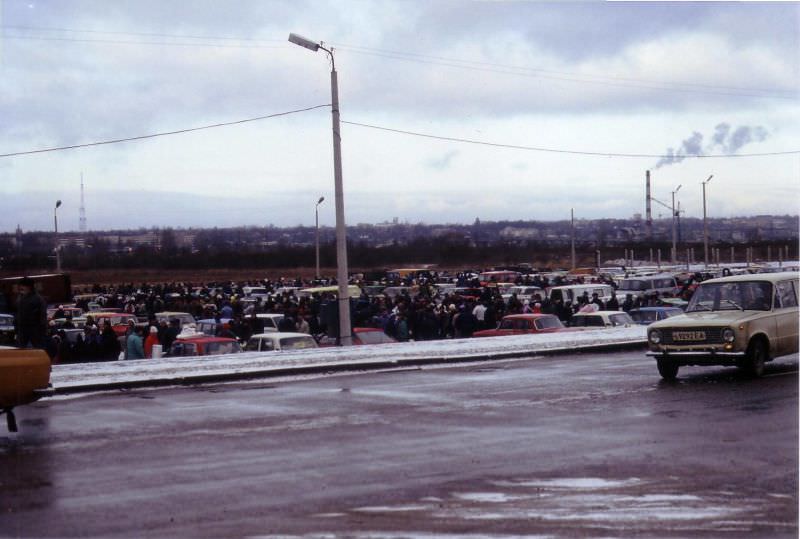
(756, 357)
(667, 369)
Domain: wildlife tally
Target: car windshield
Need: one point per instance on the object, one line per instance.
(373, 337)
(644, 316)
(732, 296)
(217, 348)
(548, 322)
(298, 343)
(633, 284)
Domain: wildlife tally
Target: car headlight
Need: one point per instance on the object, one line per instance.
(654, 336)
(728, 335)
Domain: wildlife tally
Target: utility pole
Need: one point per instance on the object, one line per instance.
(572, 230)
(705, 222)
(674, 229)
(55, 223)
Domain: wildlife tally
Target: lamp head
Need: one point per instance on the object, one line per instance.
(678, 188)
(320, 200)
(58, 203)
(304, 42)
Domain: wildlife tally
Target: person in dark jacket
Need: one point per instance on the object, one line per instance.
(109, 343)
(31, 316)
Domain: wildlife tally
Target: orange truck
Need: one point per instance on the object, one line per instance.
(24, 378)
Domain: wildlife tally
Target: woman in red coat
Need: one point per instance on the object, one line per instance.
(151, 339)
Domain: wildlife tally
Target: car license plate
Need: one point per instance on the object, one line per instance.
(689, 335)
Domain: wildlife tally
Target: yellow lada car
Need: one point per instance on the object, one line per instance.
(742, 321)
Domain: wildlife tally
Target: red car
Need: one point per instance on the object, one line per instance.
(362, 336)
(203, 345)
(119, 321)
(521, 324)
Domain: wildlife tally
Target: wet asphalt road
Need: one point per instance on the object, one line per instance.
(591, 445)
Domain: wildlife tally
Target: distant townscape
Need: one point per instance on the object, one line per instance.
(395, 241)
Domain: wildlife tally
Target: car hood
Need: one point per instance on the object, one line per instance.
(711, 318)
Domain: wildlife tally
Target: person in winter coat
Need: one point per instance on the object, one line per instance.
(109, 343)
(135, 346)
(31, 316)
(152, 339)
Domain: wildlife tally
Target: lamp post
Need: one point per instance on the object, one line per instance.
(316, 231)
(674, 231)
(705, 222)
(345, 337)
(55, 222)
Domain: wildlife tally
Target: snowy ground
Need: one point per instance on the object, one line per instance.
(119, 374)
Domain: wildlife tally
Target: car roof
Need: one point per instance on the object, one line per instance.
(527, 316)
(598, 313)
(280, 335)
(763, 277)
(204, 338)
(658, 308)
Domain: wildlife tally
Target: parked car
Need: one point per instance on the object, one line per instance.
(119, 321)
(203, 345)
(183, 318)
(211, 327)
(362, 336)
(572, 292)
(264, 342)
(601, 319)
(271, 321)
(523, 293)
(647, 315)
(663, 285)
(743, 321)
(520, 324)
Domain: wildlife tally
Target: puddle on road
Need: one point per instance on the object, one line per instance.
(587, 502)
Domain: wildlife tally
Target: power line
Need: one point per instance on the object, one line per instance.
(411, 56)
(659, 86)
(558, 150)
(547, 74)
(160, 43)
(153, 135)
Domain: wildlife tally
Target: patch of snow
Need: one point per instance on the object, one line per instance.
(75, 376)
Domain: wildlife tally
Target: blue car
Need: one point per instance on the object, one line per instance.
(647, 315)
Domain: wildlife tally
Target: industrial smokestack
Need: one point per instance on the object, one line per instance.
(648, 211)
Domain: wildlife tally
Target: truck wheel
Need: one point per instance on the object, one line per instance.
(756, 357)
(667, 369)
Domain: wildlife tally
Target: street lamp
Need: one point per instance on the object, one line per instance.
(55, 221)
(705, 222)
(345, 337)
(674, 237)
(316, 230)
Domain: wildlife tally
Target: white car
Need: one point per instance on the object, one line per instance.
(523, 293)
(271, 321)
(265, 342)
(602, 319)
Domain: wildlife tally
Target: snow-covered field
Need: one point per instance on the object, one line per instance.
(117, 374)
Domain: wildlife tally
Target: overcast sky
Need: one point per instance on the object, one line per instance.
(658, 79)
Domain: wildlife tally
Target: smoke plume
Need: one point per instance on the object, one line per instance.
(724, 140)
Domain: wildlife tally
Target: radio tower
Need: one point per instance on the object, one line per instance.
(82, 222)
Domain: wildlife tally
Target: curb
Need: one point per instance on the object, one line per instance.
(340, 367)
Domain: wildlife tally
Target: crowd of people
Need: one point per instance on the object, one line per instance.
(420, 310)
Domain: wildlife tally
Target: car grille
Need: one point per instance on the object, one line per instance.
(690, 336)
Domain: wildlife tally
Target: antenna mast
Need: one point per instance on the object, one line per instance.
(82, 222)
